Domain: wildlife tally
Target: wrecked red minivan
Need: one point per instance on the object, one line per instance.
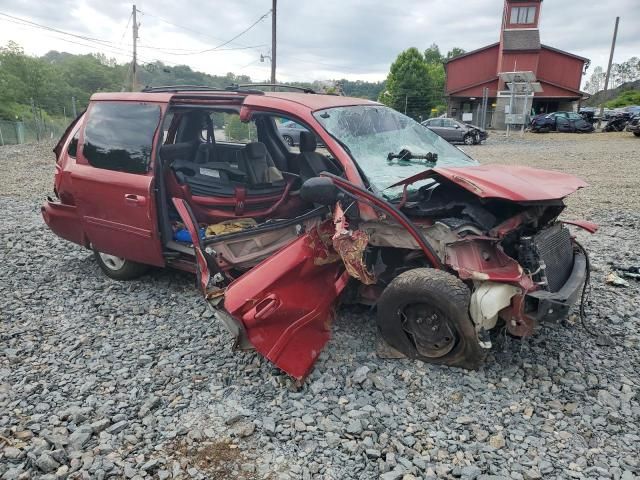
(387, 213)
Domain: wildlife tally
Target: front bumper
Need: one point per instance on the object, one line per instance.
(555, 306)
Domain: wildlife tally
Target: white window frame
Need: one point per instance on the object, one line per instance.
(522, 15)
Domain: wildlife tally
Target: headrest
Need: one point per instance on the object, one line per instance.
(307, 142)
(255, 150)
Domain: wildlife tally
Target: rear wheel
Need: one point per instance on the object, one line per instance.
(119, 268)
(469, 139)
(288, 140)
(423, 313)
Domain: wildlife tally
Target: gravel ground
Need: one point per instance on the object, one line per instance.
(101, 379)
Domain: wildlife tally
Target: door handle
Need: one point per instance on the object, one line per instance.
(262, 309)
(135, 199)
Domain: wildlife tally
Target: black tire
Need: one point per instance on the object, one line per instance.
(441, 331)
(119, 268)
(477, 140)
(288, 140)
(469, 139)
(637, 134)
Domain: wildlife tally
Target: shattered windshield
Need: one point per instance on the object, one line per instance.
(378, 137)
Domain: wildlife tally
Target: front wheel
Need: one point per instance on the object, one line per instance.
(637, 134)
(118, 268)
(469, 139)
(288, 140)
(423, 313)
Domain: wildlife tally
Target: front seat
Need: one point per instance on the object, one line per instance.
(309, 162)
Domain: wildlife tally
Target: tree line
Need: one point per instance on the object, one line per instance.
(46, 85)
(621, 73)
(43, 87)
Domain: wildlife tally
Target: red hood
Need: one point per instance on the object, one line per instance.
(505, 181)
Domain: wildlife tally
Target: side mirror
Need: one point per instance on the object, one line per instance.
(456, 126)
(319, 190)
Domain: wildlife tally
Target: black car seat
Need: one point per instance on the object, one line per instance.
(311, 163)
(255, 160)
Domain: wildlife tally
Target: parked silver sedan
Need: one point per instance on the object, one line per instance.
(290, 132)
(456, 132)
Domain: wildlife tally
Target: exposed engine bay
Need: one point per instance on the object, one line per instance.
(509, 253)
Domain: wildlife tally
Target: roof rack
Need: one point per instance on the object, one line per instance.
(177, 88)
(276, 85)
(196, 88)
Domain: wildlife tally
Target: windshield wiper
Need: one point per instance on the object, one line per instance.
(405, 155)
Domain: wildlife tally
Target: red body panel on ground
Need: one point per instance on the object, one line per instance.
(286, 305)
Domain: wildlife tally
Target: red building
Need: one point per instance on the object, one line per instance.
(558, 73)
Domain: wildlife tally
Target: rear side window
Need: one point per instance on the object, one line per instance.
(119, 136)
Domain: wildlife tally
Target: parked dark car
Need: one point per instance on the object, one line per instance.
(634, 125)
(617, 124)
(561, 122)
(390, 215)
(456, 132)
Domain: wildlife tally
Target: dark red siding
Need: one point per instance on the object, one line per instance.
(472, 69)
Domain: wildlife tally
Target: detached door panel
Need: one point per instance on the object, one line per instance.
(286, 304)
(113, 178)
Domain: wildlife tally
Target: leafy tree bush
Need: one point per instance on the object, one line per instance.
(630, 97)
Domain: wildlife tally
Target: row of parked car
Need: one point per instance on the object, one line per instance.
(451, 130)
(584, 121)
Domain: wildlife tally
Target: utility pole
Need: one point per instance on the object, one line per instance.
(134, 72)
(273, 43)
(406, 100)
(74, 108)
(606, 78)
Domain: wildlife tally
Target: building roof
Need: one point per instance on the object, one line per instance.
(547, 47)
(472, 52)
(528, 39)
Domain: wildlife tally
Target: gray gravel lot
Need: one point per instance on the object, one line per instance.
(101, 379)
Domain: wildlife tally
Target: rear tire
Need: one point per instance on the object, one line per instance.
(424, 313)
(119, 268)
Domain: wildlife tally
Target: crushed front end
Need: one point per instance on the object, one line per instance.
(506, 242)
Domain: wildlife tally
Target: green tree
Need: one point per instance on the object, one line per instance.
(433, 55)
(455, 52)
(409, 86)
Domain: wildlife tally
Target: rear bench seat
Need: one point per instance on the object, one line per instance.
(217, 190)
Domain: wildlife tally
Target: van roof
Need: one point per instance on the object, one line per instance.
(312, 101)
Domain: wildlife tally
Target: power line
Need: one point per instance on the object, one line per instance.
(185, 51)
(126, 27)
(240, 34)
(224, 43)
(45, 27)
(103, 44)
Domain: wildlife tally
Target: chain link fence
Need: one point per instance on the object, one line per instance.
(29, 131)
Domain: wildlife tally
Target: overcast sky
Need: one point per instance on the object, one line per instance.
(317, 39)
